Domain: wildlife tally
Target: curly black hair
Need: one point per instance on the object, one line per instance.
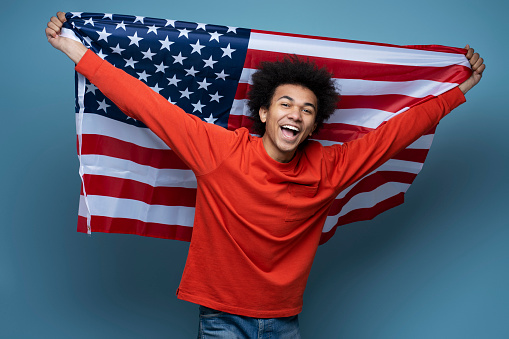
(295, 71)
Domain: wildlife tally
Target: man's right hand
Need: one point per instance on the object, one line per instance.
(73, 49)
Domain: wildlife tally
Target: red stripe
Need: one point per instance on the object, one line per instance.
(105, 145)
(412, 154)
(368, 184)
(346, 69)
(362, 214)
(340, 132)
(435, 48)
(237, 121)
(130, 189)
(131, 226)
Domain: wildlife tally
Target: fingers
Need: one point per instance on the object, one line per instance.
(61, 16)
(55, 25)
(476, 62)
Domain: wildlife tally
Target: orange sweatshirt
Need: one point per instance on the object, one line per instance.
(257, 221)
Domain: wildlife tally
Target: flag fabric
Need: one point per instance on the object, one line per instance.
(133, 183)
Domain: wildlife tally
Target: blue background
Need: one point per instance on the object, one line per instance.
(435, 267)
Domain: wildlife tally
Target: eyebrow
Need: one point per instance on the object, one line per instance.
(291, 99)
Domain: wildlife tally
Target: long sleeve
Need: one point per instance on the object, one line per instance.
(356, 158)
(200, 145)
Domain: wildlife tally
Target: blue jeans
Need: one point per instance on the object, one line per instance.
(216, 324)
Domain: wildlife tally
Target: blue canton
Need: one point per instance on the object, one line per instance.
(195, 66)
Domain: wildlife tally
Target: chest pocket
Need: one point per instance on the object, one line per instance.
(299, 205)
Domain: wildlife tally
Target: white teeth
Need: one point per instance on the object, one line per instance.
(293, 128)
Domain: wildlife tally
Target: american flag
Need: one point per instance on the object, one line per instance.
(133, 183)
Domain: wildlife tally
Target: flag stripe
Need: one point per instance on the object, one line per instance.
(135, 190)
(352, 51)
(133, 226)
(97, 164)
(373, 71)
(360, 214)
(370, 183)
(108, 146)
(134, 209)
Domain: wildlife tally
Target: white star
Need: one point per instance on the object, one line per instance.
(101, 54)
(228, 51)
(171, 102)
(148, 54)
(130, 62)
(103, 105)
(170, 22)
(215, 36)
(108, 15)
(76, 14)
(117, 49)
(179, 58)
(153, 29)
(174, 80)
(191, 71)
(197, 47)
(202, 26)
(198, 106)
(161, 67)
(143, 76)
(134, 39)
(103, 35)
(91, 88)
(221, 75)
(183, 32)
(204, 84)
(156, 88)
(186, 93)
(89, 21)
(121, 25)
(232, 29)
(140, 19)
(215, 97)
(166, 43)
(209, 63)
(210, 119)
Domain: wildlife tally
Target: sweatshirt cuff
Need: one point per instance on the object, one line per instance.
(89, 64)
(454, 98)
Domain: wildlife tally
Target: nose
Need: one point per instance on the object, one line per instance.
(295, 114)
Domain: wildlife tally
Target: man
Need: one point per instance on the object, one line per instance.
(261, 202)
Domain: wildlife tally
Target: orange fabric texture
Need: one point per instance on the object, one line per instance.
(257, 221)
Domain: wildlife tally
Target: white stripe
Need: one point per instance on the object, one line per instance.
(366, 200)
(364, 117)
(138, 210)
(390, 165)
(126, 169)
(415, 88)
(353, 51)
(98, 124)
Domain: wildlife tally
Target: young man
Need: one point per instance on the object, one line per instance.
(261, 202)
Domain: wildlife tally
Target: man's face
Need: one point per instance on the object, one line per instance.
(289, 120)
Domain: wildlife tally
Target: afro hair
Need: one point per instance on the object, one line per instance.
(295, 71)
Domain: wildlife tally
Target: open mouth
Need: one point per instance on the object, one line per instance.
(289, 131)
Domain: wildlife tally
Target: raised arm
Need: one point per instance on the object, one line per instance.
(359, 157)
(200, 145)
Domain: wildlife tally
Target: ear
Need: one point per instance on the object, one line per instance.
(262, 112)
(314, 127)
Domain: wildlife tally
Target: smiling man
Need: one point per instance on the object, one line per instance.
(261, 202)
